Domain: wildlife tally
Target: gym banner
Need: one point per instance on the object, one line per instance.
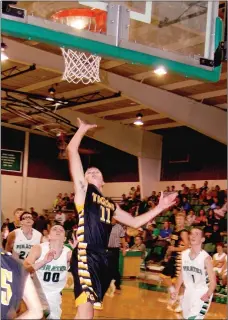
(11, 160)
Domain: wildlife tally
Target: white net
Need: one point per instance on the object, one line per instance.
(81, 67)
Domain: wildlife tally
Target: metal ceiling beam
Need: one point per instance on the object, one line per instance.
(112, 64)
(209, 120)
(210, 94)
(119, 111)
(20, 72)
(7, 125)
(96, 103)
(163, 126)
(29, 100)
(131, 140)
(187, 83)
(135, 141)
(78, 92)
(198, 116)
(41, 84)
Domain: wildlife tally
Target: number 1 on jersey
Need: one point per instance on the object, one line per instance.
(193, 278)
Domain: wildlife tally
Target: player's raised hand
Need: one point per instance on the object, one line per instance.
(49, 256)
(85, 126)
(168, 201)
(73, 242)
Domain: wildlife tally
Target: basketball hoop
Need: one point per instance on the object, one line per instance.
(81, 67)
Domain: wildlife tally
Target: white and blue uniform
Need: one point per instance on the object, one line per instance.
(22, 245)
(50, 281)
(196, 281)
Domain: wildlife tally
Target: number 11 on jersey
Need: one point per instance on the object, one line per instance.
(105, 215)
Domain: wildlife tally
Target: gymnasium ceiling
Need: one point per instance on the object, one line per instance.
(100, 100)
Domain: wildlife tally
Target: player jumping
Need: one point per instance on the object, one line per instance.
(89, 260)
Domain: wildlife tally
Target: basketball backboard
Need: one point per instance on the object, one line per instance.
(182, 36)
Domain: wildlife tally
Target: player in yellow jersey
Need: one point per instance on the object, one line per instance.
(90, 259)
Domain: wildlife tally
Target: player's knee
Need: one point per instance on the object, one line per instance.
(85, 311)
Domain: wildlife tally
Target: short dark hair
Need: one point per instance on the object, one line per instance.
(25, 212)
(198, 228)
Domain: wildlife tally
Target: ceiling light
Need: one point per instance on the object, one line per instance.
(4, 56)
(160, 71)
(51, 90)
(138, 121)
(79, 23)
(49, 99)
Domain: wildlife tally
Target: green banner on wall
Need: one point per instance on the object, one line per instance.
(11, 160)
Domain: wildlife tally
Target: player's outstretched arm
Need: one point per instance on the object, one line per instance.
(136, 222)
(32, 301)
(212, 279)
(76, 169)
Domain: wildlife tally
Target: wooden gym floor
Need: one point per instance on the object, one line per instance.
(136, 303)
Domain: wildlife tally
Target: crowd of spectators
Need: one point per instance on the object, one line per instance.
(202, 207)
(205, 207)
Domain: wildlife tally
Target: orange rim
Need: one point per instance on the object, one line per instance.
(99, 16)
